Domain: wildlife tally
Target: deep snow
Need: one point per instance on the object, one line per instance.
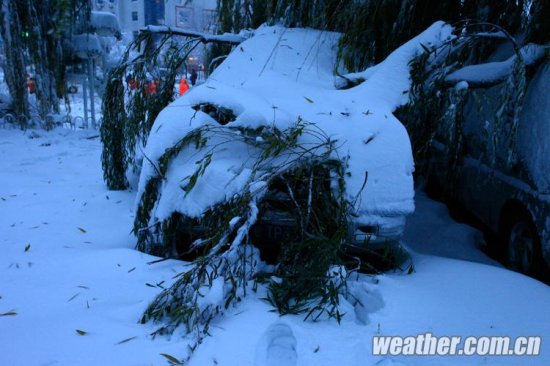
(94, 281)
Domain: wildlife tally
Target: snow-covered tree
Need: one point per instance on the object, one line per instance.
(35, 35)
(129, 111)
(12, 34)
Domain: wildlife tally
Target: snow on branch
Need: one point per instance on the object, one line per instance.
(495, 35)
(493, 73)
(227, 38)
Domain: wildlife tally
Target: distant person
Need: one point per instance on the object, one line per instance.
(132, 83)
(150, 88)
(193, 77)
(183, 86)
(31, 85)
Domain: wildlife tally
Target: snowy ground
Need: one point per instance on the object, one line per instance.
(68, 265)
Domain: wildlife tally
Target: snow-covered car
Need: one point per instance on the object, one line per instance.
(270, 109)
(512, 200)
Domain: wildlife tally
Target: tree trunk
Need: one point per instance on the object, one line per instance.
(14, 70)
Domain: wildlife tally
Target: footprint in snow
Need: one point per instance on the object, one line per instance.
(277, 347)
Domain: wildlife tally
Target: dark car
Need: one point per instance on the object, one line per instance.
(512, 200)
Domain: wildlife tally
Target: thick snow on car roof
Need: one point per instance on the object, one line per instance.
(276, 78)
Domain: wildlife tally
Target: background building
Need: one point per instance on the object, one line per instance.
(198, 15)
(154, 12)
(130, 13)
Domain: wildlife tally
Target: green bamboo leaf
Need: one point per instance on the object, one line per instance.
(309, 100)
(81, 332)
(27, 247)
(171, 359)
(126, 340)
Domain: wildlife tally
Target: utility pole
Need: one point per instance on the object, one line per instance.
(91, 79)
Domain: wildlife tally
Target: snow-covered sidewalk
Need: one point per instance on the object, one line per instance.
(72, 288)
(67, 261)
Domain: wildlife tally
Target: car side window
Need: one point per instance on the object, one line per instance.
(479, 121)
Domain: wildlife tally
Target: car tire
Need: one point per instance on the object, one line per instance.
(523, 252)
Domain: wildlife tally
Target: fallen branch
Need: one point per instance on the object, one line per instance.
(226, 38)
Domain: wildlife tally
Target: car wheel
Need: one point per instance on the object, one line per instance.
(523, 246)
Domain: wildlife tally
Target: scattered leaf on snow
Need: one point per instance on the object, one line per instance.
(81, 332)
(131, 269)
(73, 297)
(171, 359)
(309, 100)
(126, 340)
(84, 287)
(82, 230)
(27, 247)
(9, 313)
